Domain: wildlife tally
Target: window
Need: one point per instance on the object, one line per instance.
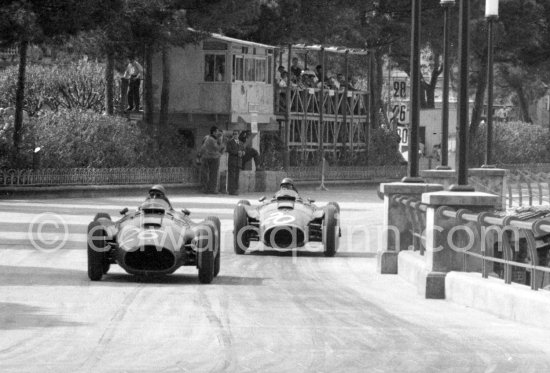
(250, 70)
(269, 69)
(214, 68)
(238, 68)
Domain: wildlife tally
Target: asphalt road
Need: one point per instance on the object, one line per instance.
(265, 312)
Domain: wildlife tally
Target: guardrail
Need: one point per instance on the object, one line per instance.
(98, 176)
(520, 243)
(177, 175)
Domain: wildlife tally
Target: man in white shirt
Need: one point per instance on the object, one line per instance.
(134, 74)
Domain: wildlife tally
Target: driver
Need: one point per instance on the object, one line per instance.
(288, 184)
(158, 192)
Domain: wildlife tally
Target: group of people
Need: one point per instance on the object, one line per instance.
(239, 153)
(302, 79)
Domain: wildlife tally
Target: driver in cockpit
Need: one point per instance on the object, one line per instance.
(158, 192)
(288, 184)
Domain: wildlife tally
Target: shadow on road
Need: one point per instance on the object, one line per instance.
(15, 316)
(46, 276)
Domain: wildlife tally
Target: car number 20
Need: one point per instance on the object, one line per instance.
(279, 217)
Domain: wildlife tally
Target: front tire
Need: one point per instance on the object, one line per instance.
(331, 238)
(98, 263)
(241, 239)
(217, 260)
(205, 253)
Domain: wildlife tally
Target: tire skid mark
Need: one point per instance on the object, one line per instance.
(94, 357)
(223, 332)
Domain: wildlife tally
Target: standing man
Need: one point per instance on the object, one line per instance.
(134, 74)
(236, 151)
(249, 152)
(210, 152)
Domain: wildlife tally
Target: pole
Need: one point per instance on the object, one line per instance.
(345, 99)
(322, 105)
(463, 104)
(445, 106)
(287, 113)
(489, 147)
(415, 94)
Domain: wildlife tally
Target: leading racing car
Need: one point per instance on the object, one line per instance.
(286, 222)
(154, 240)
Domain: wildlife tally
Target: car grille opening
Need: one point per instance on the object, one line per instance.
(284, 237)
(150, 258)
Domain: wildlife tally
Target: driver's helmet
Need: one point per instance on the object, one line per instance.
(157, 191)
(287, 183)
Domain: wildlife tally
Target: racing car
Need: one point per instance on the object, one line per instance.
(154, 240)
(286, 221)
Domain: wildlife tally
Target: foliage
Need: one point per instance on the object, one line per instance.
(514, 142)
(77, 138)
(39, 87)
(271, 150)
(77, 84)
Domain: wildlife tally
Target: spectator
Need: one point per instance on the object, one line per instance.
(210, 153)
(249, 152)
(319, 74)
(236, 151)
(295, 70)
(134, 74)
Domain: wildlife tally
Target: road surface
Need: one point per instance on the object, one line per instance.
(266, 312)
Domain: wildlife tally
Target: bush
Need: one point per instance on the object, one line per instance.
(76, 85)
(513, 142)
(77, 138)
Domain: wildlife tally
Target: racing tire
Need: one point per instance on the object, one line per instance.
(205, 253)
(217, 259)
(97, 246)
(335, 204)
(331, 237)
(244, 202)
(241, 241)
(101, 215)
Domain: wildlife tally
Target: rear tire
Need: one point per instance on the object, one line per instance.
(98, 263)
(244, 202)
(205, 254)
(102, 215)
(331, 237)
(241, 240)
(217, 260)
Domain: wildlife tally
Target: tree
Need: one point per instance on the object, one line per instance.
(31, 21)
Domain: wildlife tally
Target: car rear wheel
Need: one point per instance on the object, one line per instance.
(331, 237)
(217, 259)
(98, 263)
(241, 240)
(102, 215)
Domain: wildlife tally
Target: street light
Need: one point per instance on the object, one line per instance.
(446, 4)
(412, 172)
(463, 98)
(491, 14)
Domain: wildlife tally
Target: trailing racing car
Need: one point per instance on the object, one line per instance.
(286, 221)
(154, 240)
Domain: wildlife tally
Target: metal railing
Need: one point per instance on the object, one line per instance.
(522, 240)
(99, 176)
(178, 175)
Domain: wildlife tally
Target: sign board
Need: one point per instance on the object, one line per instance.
(400, 97)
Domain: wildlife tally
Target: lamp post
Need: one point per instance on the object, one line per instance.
(447, 5)
(412, 174)
(491, 14)
(463, 103)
